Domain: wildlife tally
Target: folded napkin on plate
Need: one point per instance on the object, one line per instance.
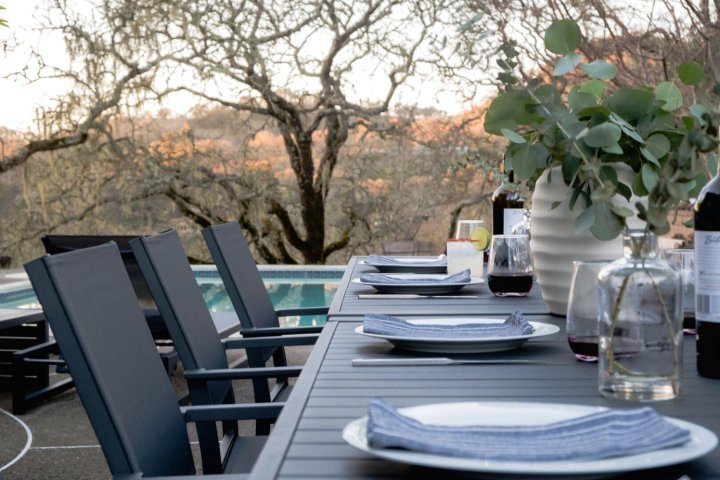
(381, 260)
(460, 277)
(605, 434)
(379, 324)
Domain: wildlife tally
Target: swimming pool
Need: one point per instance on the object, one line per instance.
(289, 286)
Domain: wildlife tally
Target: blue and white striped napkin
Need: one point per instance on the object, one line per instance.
(460, 277)
(441, 261)
(380, 324)
(611, 433)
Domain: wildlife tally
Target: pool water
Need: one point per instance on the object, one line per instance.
(288, 287)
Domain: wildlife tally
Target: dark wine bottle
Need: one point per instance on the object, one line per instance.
(507, 207)
(707, 279)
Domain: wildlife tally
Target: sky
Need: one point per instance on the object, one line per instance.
(20, 99)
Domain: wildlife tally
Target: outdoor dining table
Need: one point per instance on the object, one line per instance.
(307, 442)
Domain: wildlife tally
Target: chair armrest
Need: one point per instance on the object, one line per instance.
(270, 331)
(240, 373)
(217, 413)
(41, 348)
(284, 312)
(263, 342)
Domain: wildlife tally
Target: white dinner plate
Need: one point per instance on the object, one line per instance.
(423, 288)
(701, 441)
(410, 265)
(463, 344)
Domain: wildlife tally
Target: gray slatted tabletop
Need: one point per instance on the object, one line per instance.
(346, 302)
(307, 442)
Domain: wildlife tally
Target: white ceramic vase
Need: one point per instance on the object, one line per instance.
(553, 241)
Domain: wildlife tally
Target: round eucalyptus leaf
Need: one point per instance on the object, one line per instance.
(562, 37)
(523, 160)
(615, 149)
(608, 225)
(585, 220)
(501, 113)
(512, 136)
(669, 95)
(649, 156)
(600, 69)
(658, 144)
(631, 103)
(691, 73)
(649, 176)
(596, 88)
(566, 64)
(638, 187)
(622, 211)
(579, 100)
(603, 135)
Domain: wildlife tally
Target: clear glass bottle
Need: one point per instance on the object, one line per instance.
(640, 308)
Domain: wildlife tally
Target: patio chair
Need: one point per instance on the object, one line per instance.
(248, 294)
(28, 362)
(55, 244)
(88, 300)
(164, 264)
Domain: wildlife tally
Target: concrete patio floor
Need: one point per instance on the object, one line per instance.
(64, 445)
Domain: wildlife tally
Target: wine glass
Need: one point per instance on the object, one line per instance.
(582, 316)
(510, 271)
(683, 260)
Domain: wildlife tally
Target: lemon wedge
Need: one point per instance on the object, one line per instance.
(480, 238)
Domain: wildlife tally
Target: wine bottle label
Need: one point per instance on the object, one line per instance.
(707, 276)
(511, 217)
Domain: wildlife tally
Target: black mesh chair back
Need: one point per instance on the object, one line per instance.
(55, 244)
(163, 262)
(89, 302)
(238, 270)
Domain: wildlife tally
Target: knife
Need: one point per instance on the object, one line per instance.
(409, 295)
(387, 362)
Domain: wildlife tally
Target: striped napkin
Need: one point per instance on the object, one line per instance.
(441, 261)
(611, 433)
(460, 277)
(380, 324)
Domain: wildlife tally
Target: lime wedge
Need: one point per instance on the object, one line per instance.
(480, 238)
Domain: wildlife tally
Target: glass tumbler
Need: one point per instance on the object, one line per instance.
(462, 254)
(510, 272)
(582, 313)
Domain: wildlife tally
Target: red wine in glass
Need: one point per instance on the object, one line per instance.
(584, 348)
(510, 284)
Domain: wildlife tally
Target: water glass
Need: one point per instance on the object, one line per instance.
(462, 254)
(510, 272)
(683, 260)
(582, 313)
